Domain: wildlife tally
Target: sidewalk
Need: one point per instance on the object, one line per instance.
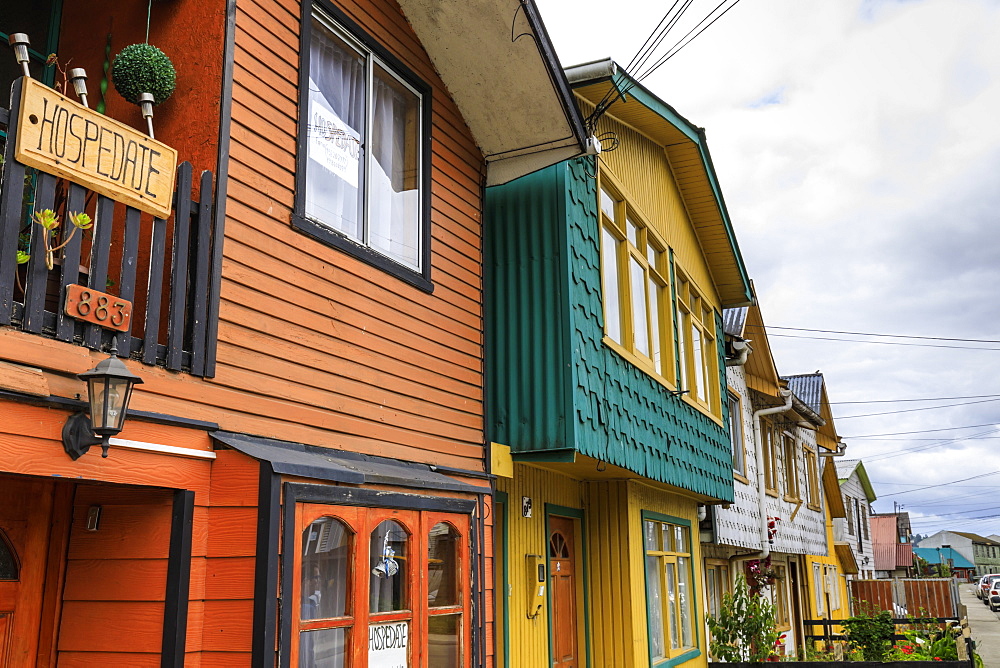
(985, 626)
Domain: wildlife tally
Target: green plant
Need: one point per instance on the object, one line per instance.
(870, 632)
(744, 629)
(143, 68)
(49, 221)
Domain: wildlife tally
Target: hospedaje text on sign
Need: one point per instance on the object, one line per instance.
(60, 136)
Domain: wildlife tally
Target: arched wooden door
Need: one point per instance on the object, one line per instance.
(25, 509)
(562, 585)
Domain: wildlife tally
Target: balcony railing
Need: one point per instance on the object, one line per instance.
(167, 268)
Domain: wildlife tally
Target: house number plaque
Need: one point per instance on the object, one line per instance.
(98, 308)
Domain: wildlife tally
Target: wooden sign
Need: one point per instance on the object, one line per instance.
(98, 308)
(65, 138)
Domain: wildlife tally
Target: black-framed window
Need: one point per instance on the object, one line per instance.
(363, 181)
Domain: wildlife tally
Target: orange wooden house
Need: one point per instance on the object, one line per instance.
(301, 479)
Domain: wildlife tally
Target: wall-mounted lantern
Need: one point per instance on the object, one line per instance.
(109, 388)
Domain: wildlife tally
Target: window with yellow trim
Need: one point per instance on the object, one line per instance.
(669, 589)
(698, 358)
(635, 265)
(769, 438)
(736, 433)
(791, 457)
(810, 461)
(780, 593)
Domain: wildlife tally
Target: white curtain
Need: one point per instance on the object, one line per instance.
(394, 215)
(336, 127)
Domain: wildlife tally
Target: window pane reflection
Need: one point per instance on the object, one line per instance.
(442, 566)
(654, 603)
(325, 648)
(388, 557)
(444, 648)
(326, 546)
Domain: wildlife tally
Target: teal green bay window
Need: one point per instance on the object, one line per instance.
(669, 589)
(670, 334)
(697, 358)
(636, 265)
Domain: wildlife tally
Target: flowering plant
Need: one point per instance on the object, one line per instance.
(760, 574)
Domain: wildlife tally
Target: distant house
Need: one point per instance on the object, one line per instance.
(891, 545)
(961, 567)
(782, 433)
(983, 552)
(855, 528)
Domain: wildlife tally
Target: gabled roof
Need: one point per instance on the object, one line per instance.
(499, 65)
(976, 538)
(831, 489)
(811, 388)
(884, 541)
(846, 467)
(734, 320)
(933, 555)
(747, 323)
(694, 173)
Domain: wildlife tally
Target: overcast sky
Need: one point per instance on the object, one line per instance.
(857, 143)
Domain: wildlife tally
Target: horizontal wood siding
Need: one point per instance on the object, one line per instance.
(228, 563)
(333, 351)
(116, 575)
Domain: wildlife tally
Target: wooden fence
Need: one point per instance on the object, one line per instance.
(929, 597)
(125, 254)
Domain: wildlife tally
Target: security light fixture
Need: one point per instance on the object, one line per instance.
(109, 388)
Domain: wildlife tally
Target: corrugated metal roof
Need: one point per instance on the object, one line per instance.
(976, 538)
(308, 461)
(930, 555)
(884, 541)
(733, 320)
(809, 388)
(845, 467)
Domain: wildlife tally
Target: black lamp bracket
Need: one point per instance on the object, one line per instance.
(77, 436)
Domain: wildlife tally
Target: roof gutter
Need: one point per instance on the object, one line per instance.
(759, 458)
(596, 70)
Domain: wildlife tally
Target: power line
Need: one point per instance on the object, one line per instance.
(894, 401)
(891, 454)
(912, 410)
(942, 484)
(923, 431)
(880, 343)
(894, 336)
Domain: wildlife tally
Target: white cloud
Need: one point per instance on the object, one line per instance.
(858, 148)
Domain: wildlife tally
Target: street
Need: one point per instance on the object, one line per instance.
(985, 626)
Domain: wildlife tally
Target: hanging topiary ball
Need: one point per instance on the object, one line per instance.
(143, 68)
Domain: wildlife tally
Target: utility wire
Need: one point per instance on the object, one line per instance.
(674, 50)
(881, 343)
(894, 336)
(923, 431)
(895, 401)
(912, 410)
(892, 454)
(942, 484)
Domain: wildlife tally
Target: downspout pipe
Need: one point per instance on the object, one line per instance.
(759, 456)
